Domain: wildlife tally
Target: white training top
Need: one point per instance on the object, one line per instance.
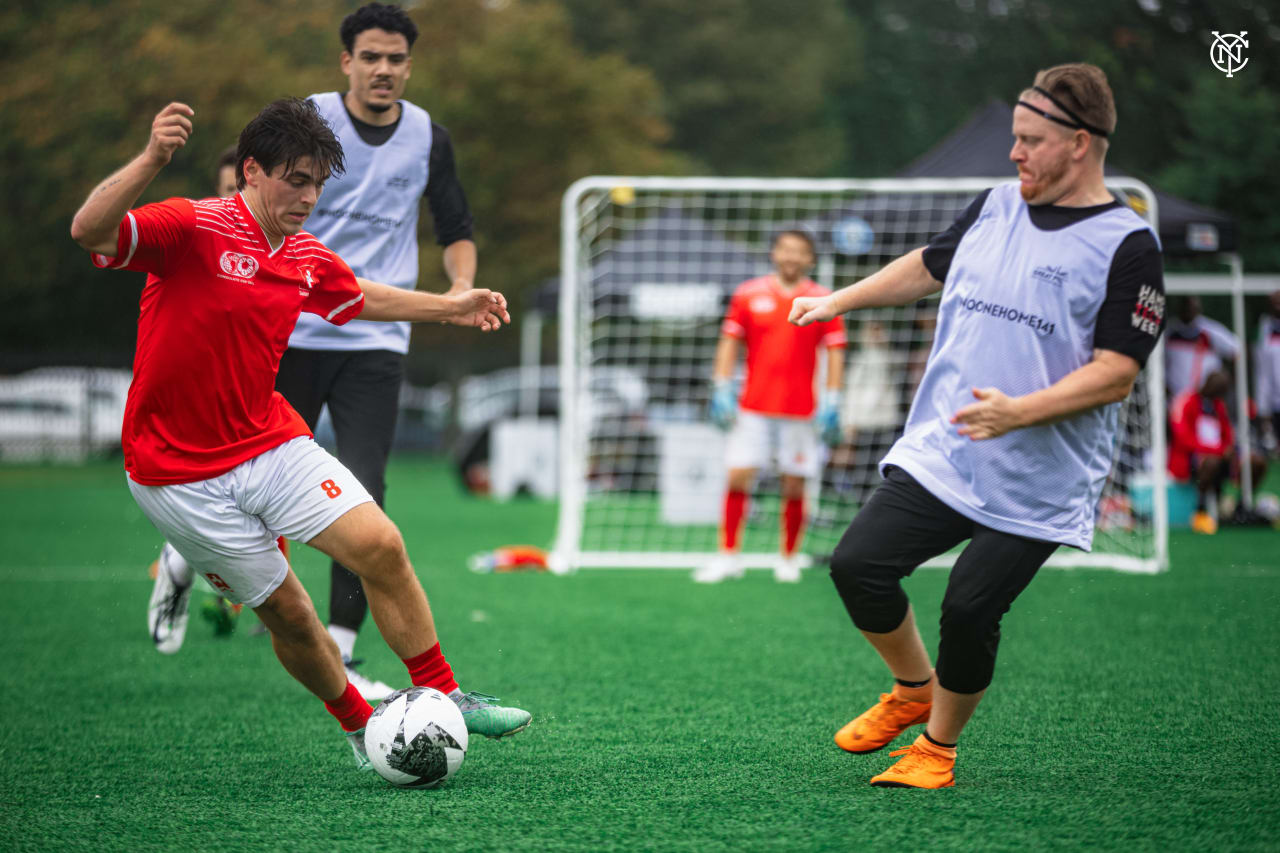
(1194, 350)
(369, 217)
(1018, 313)
(1267, 361)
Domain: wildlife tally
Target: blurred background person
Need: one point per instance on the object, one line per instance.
(1267, 374)
(870, 411)
(224, 181)
(1202, 446)
(773, 421)
(1195, 346)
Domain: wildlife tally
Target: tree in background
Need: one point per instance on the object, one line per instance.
(1184, 127)
(1227, 154)
(539, 93)
(747, 84)
(80, 80)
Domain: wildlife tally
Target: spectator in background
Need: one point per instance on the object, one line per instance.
(1202, 445)
(224, 178)
(870, 414)
(1267, 373)
(924, 323)
(1195, 346)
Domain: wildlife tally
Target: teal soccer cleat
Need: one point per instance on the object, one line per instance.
(356, 740)
(484, 716)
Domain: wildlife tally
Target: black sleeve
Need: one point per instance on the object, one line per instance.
(1132, 314)
(448, 203)
(942, 248)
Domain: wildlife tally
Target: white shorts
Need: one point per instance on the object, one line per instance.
(757, 441)
(226, 527)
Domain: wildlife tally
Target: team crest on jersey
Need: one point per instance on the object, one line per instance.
(308, 280)
(762, 305)
(238, 265)
(1057, 276)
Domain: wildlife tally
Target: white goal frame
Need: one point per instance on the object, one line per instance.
(574, 437)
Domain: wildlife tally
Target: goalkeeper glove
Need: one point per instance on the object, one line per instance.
(828, 418)
(724, 405)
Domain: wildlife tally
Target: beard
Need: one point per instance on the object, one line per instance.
(378, 108)
(1034, 192)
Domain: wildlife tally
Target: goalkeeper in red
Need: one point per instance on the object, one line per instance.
(1052, 300)
(773, 421)
(215, 457)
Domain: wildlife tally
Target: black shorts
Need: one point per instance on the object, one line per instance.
(902, 526)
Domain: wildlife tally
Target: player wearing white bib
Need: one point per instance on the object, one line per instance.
(1052, 300)
(773, 420)
(216, 458)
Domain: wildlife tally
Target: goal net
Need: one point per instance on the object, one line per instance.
(647, 268)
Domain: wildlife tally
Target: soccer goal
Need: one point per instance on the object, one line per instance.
(647, 266)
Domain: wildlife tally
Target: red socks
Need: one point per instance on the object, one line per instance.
(792, 524)
(430, 669)
(350, 709)
(735, 509)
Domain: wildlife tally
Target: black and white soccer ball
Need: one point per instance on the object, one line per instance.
(416, 738)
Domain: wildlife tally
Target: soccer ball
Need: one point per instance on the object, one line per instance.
(416, 738)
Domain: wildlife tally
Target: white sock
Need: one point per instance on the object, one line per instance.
(346, 640)
(179, 569)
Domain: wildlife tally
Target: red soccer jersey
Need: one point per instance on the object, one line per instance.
(781, 358)
(216, 314)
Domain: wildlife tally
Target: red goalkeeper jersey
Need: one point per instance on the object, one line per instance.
(215, 317)
(781, 358)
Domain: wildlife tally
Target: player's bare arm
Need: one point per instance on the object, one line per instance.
(97, 223)
(460, 266)
(725, 359)
(1107, 379)
(478, 308)
(835, 368)
(899, 283)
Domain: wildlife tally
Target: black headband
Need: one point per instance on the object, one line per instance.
(1079, 123)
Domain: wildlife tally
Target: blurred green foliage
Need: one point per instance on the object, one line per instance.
(538, 93)
(80, 82)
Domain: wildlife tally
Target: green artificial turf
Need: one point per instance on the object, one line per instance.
(1128, 712)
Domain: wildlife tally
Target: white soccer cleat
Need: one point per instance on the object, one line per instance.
(168, 610)
(787, 569)
(370, 689)
(718, 568)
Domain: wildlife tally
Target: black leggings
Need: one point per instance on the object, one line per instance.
(362, 389)
(902, 526)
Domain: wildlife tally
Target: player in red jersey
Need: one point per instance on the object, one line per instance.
(776, 421)
(167, 610)
(215, 457)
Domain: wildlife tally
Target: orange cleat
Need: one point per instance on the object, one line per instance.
(924, 764)
(881, 723)
(1202, 522)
